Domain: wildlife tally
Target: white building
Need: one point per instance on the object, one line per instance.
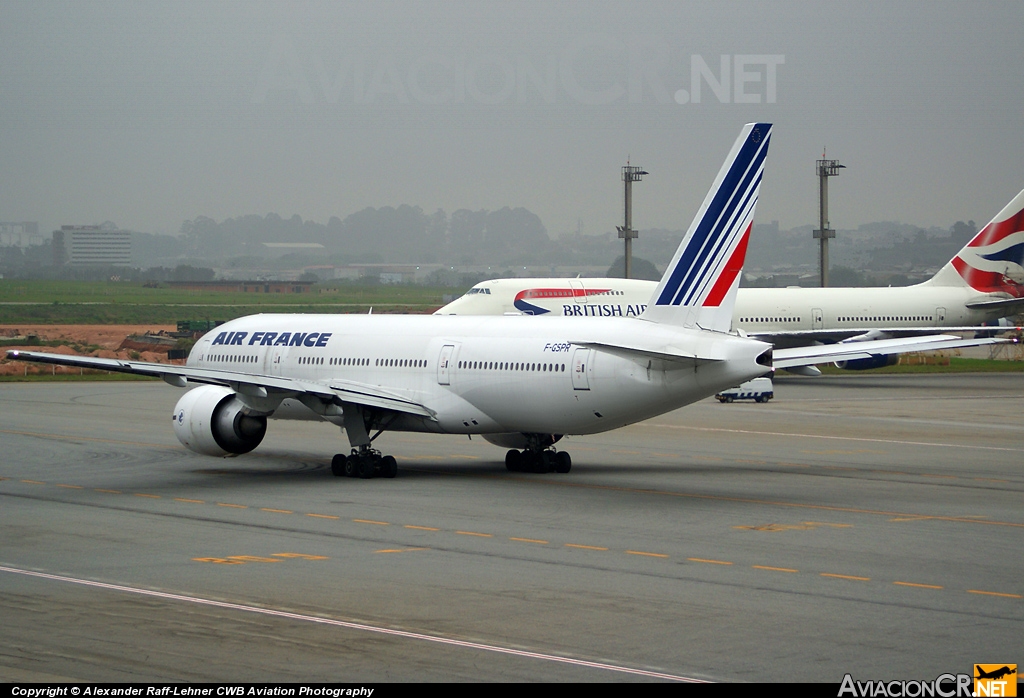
(92, 245)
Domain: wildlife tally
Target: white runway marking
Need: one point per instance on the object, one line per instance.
(835, 438)
(356, 626)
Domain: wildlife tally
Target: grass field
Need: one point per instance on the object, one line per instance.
(110, 302)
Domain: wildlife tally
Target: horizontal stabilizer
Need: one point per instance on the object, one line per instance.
(658, 353)
(1010, 305)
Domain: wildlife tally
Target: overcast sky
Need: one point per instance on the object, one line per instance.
(150, 113)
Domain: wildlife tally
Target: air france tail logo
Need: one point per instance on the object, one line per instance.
(523, 306)
(993, 262)
(275, 339)
(708, 266)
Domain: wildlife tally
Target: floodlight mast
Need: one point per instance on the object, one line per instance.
(825, 169)
(630, 174)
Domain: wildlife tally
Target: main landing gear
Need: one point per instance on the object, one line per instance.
(536, 461)
(364, 463)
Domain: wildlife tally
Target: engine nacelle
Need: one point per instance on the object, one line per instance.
(876, 361)
(210, 420)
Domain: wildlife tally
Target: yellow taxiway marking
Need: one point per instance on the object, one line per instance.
(944, 477)
(421, 528)
(233, 506)
(253, 558)
(845, 576)
(464, 457)
(190, 501)
(277, 511)
(640, 552)
(108, 491)
(323, 516)
(918, 586)
(72, 487)
(399, 550)
(775, 527)
(300, 556)
(148, 496)
(472, 533)
(995, 593)
(584, 547)
(33, 482)
(710, 562)
(368, 521)
(528, 540)
(773, 569)
(218, 560)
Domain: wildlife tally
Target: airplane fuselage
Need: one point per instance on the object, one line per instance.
(488, 374)
(758, 310)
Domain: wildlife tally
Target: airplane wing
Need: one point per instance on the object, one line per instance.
(847, 351)
(251, 384)
(795, 338)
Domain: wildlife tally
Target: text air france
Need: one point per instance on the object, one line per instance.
(274, 339)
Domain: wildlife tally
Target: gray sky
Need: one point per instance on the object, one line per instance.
(151, 113)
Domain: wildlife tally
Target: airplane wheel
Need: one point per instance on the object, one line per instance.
(350, 466)
(388, 466)
(513, 461)
(547, 462)
(338, 464)
(365, 468)
(563, 463)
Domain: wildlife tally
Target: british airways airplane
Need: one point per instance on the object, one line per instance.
(981, 284)
(520, 382)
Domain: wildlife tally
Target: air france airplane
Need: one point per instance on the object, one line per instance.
(981, 284)
(520, 382)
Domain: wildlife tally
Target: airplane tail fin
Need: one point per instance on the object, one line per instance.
(993, 261)
(699, 287)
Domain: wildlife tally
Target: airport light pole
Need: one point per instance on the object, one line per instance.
(825, 169)
(629, 175)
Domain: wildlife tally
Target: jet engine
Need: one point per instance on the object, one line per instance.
(210, 420)
(876, 361)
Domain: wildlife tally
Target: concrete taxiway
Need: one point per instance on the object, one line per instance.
(863, 524)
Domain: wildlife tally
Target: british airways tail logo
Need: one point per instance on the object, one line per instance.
(996, 253)
(276, 339)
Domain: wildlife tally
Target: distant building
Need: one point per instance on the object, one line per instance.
(80, 245)
(21, 234)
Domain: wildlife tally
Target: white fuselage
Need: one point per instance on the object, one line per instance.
(758, 310)
(489, 374)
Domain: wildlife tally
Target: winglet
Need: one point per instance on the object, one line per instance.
(699, 287)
